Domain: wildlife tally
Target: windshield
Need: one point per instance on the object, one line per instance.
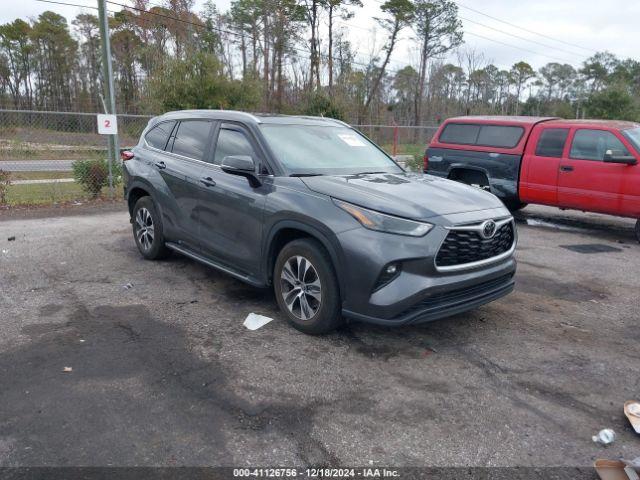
(325, 150)
(633, 135)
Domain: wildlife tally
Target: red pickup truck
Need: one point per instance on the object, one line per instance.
(589, 165)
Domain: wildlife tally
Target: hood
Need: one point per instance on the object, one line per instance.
(418, 197)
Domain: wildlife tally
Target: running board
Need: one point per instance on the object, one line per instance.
(199, 258)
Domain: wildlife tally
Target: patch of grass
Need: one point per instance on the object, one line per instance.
(49, 193)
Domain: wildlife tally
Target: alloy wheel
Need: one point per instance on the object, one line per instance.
(300, 287)
(144, 228)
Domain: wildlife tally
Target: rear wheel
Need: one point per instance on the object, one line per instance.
(515, 206)
(638, 230)
(306, 287)
(147, 230)
(473, 178)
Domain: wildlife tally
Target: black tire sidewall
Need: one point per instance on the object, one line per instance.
(638, 230)
(158, 249)
(328, 318)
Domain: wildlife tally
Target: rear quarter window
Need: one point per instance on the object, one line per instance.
(157, 137)
(500, 136)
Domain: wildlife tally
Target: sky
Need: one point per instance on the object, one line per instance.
(564, 31)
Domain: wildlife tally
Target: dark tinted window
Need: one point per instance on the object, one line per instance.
(460, 133)
(501, 136)
(232, 142)
(551, 142)
(633, 135)
(593, 144)
(192, 138)
(158, 135)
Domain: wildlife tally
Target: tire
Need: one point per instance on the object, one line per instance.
(638, 230)
(150, 242)
(317, 310)
(515, 206)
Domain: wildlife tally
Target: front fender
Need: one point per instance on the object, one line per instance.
(312, 228)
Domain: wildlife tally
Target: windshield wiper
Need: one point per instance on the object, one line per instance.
(369, 173)
(305, 175)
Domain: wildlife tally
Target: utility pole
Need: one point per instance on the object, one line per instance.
(109, 91)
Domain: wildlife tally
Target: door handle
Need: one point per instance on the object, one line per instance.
(566, 168)
(161, 165)
(208, 181)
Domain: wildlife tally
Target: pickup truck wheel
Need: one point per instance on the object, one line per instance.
(515, 206)
(306, 287)
(638, 230)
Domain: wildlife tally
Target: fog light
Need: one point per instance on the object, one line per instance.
(387, 275)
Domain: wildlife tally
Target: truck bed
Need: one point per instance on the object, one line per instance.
(496, 172)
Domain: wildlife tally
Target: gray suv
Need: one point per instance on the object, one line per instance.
(315, 209)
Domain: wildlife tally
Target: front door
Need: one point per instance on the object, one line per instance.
(585, 181)
(231, 210)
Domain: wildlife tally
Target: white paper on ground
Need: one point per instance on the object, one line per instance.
(255, 321)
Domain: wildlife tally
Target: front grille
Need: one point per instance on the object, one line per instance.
(467, 246)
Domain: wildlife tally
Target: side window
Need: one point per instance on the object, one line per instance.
(158, 135)
(499, 136)
(551, 142)
(232, 142)
(464, 133)
(593, 144)
(192, 138)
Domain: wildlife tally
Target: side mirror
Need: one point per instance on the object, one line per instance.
(609, 157)
(242, 165)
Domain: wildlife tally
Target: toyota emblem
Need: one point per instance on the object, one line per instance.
(488, 229)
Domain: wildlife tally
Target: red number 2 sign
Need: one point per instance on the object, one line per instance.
(107, 124)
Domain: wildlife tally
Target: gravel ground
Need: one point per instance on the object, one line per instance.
(164, 373)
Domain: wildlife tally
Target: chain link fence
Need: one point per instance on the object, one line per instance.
(49, 158)
(58, 157)
(406, 143)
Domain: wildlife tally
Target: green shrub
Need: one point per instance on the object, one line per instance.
(93, 175)
(5, 181)
(321, 105)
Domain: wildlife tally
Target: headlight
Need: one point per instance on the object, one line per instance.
(384, 223)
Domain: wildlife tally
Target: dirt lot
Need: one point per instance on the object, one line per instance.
(164, 373)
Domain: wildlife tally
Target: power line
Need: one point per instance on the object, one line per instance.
(67, 4)
(507, 44)
(513, 46)
(518, 36)
(524, 29)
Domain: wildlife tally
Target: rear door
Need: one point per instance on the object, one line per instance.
(585, 181)
(541, 165)
(231, 210)
(178, 200)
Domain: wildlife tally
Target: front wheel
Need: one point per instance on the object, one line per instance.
(306, 287)
(638, 230)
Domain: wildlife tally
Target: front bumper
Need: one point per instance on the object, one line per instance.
(421, 292)
(445, 304)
